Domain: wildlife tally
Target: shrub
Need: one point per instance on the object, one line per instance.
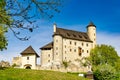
(65, 64)
(105, 72)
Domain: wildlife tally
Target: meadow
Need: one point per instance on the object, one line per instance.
(27, 74)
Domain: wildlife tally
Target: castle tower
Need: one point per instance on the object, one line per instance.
(91, 31)
(57, 46)
(29, 58)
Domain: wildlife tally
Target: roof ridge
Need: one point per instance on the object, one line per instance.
(72, 30)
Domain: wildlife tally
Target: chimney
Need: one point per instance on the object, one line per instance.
(54, 27)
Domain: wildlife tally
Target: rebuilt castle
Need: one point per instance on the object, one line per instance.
(68, 46)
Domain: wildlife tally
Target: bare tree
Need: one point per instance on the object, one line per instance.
(27, 11)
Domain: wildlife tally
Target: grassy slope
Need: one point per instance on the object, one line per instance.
(22, 74)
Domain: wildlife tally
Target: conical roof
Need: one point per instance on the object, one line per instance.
(91, 24)
(29, 50)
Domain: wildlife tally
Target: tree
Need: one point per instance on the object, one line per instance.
(105, 72)
(105, 62)
(19, 15)
(24, 12)
(4, 21)
(103, 54)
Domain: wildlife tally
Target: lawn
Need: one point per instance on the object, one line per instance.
(24, 74)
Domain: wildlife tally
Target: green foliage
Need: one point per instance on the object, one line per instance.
(14, 65)
(103, 54)
(105, 72)
(65, 64)
(117, 65)
(105, 62)
(3, 40)
(4, 22)
(25, 74)
(4, 17)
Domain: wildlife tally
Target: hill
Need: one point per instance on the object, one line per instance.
(24, 74)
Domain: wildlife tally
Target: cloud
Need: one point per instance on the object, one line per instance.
(109, 39)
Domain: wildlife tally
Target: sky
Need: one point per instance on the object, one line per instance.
(74, 15)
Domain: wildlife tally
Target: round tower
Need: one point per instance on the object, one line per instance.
(91, 31)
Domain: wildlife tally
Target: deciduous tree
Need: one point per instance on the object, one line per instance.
(103, 54)
(19, 15)
(4, 22)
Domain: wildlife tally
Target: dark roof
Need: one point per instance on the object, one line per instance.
(91, 24)
(71, 34)
(29, 50)
(48, 46)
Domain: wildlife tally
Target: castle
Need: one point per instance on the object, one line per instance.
(68, 46)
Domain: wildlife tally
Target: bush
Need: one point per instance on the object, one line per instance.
(65, 64)
(105, 72)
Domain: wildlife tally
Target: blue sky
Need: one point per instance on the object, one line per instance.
(75, 15)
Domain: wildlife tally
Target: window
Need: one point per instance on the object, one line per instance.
(82, 50)
(75, 43)
(68, 34)
(56, 40)
(48, 60)
(65, 52)
(70, 50)
(48, 55)
(65, 57)
(80, 36)
(74, 50)
(27, 58)
(56, 48)
(87, 51)
(65, 46)
(74, 35)
(87, 44)
(94, 34)
(79, 51)
(82, 44)
(70, 42)
(56, 53)
(85, 37)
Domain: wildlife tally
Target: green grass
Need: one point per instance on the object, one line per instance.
(24, 74)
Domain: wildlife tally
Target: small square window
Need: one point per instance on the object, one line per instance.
(74, 50)
(65, 57)
(87, 51)
(27, 58)
(75, 43)
(65, 52)
(82, 50)
(87, 44)
(82, 44)
(48, 55)
(48, 60)
(65, 46)
(70, 50)
(70, 42)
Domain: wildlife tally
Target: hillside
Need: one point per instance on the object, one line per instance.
(23, 74)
